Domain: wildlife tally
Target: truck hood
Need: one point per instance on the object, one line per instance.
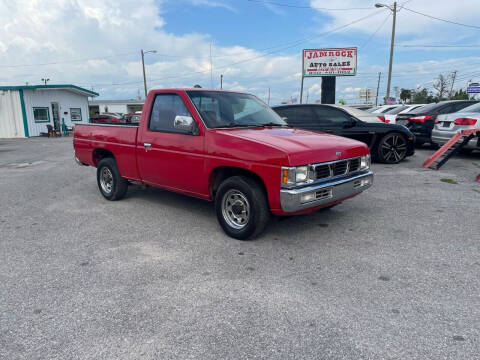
(298, 147)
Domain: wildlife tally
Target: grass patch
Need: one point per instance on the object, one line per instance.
(449, 181)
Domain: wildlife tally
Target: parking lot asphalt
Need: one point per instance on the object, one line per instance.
(390, 274)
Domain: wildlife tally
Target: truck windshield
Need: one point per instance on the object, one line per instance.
(220, 109)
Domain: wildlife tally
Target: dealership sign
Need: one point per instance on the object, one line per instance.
(329, 62)
(473, 88)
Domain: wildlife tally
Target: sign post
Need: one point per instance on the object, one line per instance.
(328, 63)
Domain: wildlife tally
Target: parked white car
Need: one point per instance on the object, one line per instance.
(382, 109)
(391, 115)
(447, 125)
(359, 114)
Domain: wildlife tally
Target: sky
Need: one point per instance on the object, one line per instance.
(256, 45)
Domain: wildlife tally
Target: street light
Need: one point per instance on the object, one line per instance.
(45, 80)
(394, 11)
(143, 67)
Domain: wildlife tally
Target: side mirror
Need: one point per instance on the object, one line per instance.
(185, 124)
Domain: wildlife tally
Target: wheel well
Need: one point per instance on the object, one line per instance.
(99, 154)
(218, 175)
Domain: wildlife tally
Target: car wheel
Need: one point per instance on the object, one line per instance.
(434, 146)
(392, 148)
(241, 207)
(110, 182)
(466, 151)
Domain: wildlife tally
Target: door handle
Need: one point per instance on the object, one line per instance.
(147, 146)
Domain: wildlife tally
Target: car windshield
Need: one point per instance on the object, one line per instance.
(220, 109)
(475, 108)
(428, 108)
(396, 110)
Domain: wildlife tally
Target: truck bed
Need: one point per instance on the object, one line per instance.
(119, 139)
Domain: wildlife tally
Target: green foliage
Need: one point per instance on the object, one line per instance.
(422, 97)
(448, 181)
(405, 94)
(460, 95)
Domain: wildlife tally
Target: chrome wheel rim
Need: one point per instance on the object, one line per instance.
(393, 148)
(106, 180)
(235, 209)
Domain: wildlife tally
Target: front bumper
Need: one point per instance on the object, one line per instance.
(325, 193)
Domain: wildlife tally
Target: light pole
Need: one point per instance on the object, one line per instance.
(394, 11)
(45, 80)
(143, 68)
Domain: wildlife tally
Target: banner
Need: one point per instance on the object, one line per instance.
(329, 62)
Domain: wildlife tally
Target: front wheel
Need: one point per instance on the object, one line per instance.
(110, 182)
(392, 148)
(242, 208)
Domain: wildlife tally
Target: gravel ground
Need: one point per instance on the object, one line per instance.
(390, 274)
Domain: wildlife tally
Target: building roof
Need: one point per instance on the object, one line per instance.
(131, 101)
(69, 87)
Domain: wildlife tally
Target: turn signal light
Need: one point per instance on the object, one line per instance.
(436, 120)
(420, 119)
(465, 121)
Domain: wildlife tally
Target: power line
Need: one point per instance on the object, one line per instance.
(441, 46)
(306, 6)
(293, 44)
(440, 19)
(376, 31)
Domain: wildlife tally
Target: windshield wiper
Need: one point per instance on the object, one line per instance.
(272, 124)
(234, 125)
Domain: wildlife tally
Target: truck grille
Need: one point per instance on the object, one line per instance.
(337, 168)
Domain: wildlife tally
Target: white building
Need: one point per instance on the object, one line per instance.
(115, 106)
(26, 111)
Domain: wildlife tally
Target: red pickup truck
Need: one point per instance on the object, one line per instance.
(226, 147)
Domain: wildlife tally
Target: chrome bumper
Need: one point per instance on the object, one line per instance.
(324, 193)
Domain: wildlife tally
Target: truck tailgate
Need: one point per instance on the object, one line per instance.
(120, 140)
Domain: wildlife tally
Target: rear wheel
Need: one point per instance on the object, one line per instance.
(242, 208)
(392, 148)
(110, 182)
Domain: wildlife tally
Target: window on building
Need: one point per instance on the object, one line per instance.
(41, 114)
(76, 114)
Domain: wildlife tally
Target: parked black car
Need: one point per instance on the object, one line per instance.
(388, 143)
(422, 120)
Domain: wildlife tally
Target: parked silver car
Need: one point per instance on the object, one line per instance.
(447, 125)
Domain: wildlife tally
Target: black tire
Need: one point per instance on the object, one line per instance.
(114, 188)
(241, 207)
(391, 148)
(434, 146)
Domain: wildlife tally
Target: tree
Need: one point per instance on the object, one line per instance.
(405, 94)
(197, 86)
(422, 97)
(440, 86)
(460, 95)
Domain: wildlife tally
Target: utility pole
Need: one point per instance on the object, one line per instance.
(144, 77)
(454, 75)
(392, 43)
(268, 102)
(307, 97)
(221, 81)
(378, 86)
(143, 68)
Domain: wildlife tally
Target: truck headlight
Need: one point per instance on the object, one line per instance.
(365, 162)
(292, 176)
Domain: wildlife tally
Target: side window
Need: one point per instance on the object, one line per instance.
(460, 106)
(165, 108)
(297, 115)
(331, 117)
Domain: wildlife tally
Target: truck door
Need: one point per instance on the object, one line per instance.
(168, 156)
